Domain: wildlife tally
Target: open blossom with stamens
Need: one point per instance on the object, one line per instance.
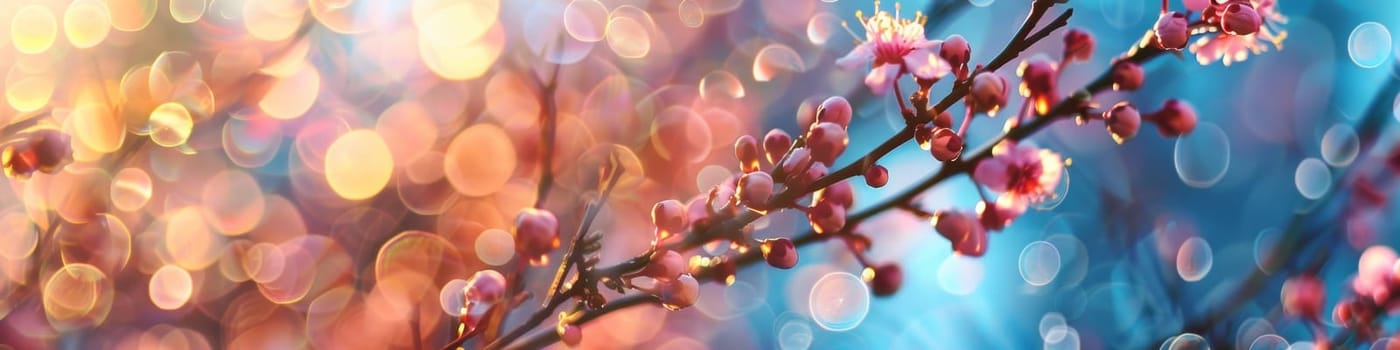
(894, 46)
(1025, 173)
(1229, 49)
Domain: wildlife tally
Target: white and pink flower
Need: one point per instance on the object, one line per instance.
(894, 46)
(1025, 174)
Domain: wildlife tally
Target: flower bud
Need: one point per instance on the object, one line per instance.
(779, 252)
(797, 162)
(746, 151)
(835, 110)
(43, 150)
(1176, 118)
(923, 135)
(665, 265)
(957, 52)
(827, 217)
(536, 233)
(697, 210)
(813, 172)
(775, 144)
(946, 145)
(680, 293)
(669, 216)
(1122, 121)
(943, 120)
(570, 334)
(1039, 81)
(1079, 45)
(840, 193)
(485, 287)
(963, 231)
(1172, 31)
(1127, 76)
(877, 176)
(754, 189)
(1302, 296)
(1239, 18)
(827, 141)
(988, 94)
(887, 279)
(1000, 213)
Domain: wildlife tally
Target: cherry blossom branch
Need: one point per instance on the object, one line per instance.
(573, 257)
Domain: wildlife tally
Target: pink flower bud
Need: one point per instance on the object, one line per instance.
(536, 233)
(680, 293)
(1122, 121)
(835, 110)
(1302, 297)
(570, 334)
(669, 216)
(1039, 81)
(827, 141)
(946, 145)
(1000, 213)
(840, 193)
(1079, 45)
(779, 252)
(1239, 18)
(807, 113)
(746, 151)
(888, 278)
(813, 172)
(923, 135)
(665, 265)
(797, 162)
(775, 144)
(963, 231)
(1176, 118)
(956, 51)
(485, 287)
(943, 120)
(988, 94)
(1172, 31)
(877, 176)
(1375, 274)
(697, 210)
(1127, 76)
(827, 217)
(755, 188)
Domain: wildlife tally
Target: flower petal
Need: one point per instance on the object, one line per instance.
(1052, 168)
(881, 78)
(991, 173)
(926, 65)
(860, 56)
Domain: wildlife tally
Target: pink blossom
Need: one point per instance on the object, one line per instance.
(894, 46)
(1025, 173)
(1374, 273)
(1303, 296)
(1229, 49)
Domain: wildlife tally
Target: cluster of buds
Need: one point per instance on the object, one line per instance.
(666, 277)
(1243, 25)
(1376, 289)
(44, 150)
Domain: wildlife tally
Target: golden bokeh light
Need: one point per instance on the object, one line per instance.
(33, 29)
(132, 15)
(188, 240)
(232, 202)
(408, 129)
(273, 20)
(86, 23)
(454, 59)
(480, 160)
(170, 124)
(104, 243)
(187, 11)
(455, 21)
(358, 165)
(29, 88)
(98, 127)
(17, 236)
(291, 96)
(77, 296)
(131, 189)
(171, 287)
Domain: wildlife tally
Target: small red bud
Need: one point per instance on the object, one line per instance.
(754, 189)
(1239, 18)
(1127, 76)
(1122, 121)
(877, 176)
(570, 334)
(1176, 118)
(779, 252)
(827, 141)
(946, 145)
(887, 280)
(536, 233)
(963, 230)
(1079, 45)
(746, 151)
(835, 110)
(827, 217)
(989, 93)
(669, 216)
(775, 144)
(840, 193)
(1303, 296)
(1172, 31)
(957, 52)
